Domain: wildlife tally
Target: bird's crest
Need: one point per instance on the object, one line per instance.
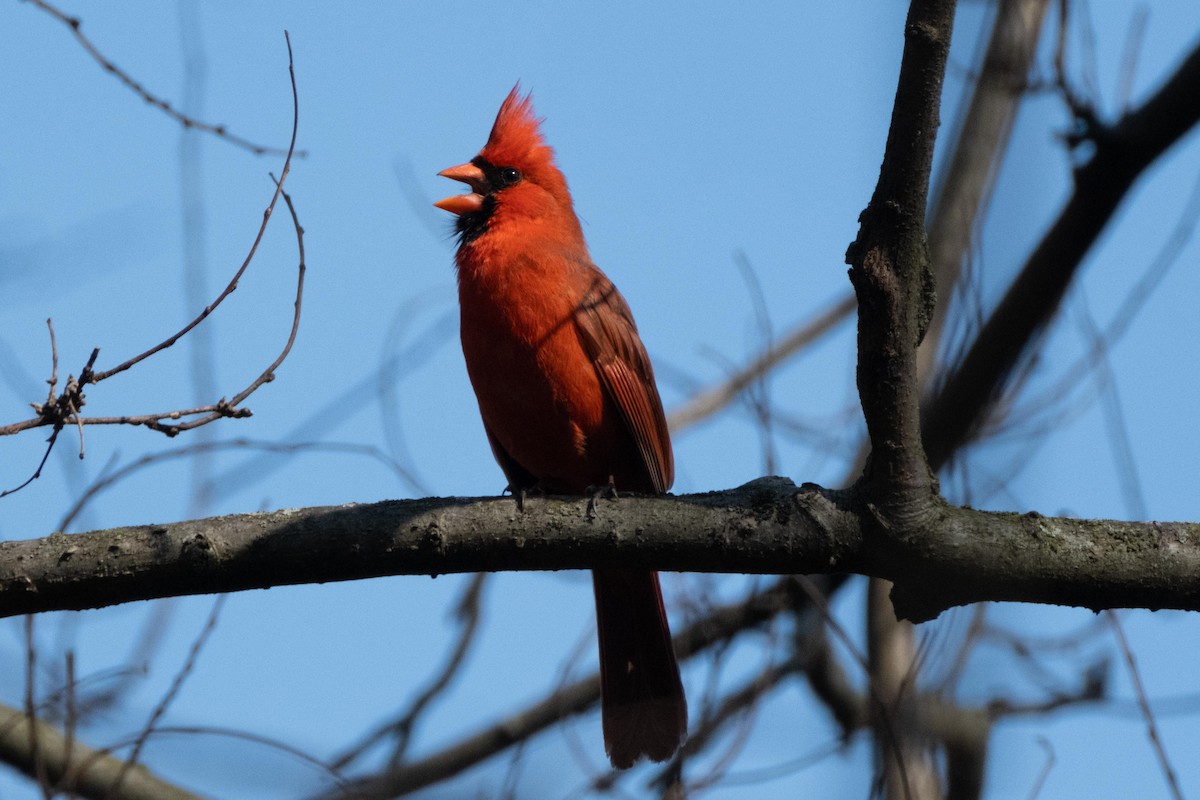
(516, 137)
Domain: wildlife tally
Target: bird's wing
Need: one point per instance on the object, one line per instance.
(609, 337)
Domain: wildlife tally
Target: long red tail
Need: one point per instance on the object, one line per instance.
(644, 711)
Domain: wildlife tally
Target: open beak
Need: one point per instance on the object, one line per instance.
(464, 203)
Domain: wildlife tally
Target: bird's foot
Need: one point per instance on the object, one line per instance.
(607, 491)
(519, 493)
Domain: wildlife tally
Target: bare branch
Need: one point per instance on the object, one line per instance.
(31, 721)
(171, 693)
(220, 131)
(64, 408)
(268, 374)
(262, 228)
(981, 139)
(712, 400)
(767, 527)
(69, 764)
(53, 361)
(716, 627)
(737, 703)
(1160, 749)
(1122, 152)
(891, 273)
(37, 473)
(402, 728)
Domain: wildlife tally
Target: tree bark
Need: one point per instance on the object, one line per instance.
(768, 526)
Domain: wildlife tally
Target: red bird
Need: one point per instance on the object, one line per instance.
(567, 396)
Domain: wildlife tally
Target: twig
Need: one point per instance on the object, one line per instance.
(233, 283)
(35, 749)
(172, 691)
(468, 613)
(1122, 152)
(720, 625)
(1133, 41)
(65, 407)
(1132, 303)
(108, 66)
(712, 400)
(737, 702)
(108, 480)
(1046, 768)
(300, 755)
(761, 775)
(1135, 677)
(268, 374)
(983, 131)
(883, 716)
(758, 395)
(53, 361)
(37, 473)
(71, 717)
(230, 407)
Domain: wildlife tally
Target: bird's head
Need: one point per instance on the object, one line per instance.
(513, 177)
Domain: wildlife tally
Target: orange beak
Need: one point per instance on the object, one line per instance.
(464, 203)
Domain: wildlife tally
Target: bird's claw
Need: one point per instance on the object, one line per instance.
(518, 494)
(607, 491)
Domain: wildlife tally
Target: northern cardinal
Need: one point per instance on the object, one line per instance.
(567, 397)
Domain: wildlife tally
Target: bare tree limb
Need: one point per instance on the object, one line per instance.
(894, 283)
(892, 277)
(237, 276)
(720, 625)
(980, 143)
(1123, 151)
(767, 526)
(68, 763)
(171, 693)
(963, 731)
(1139, 688)
(738, 702)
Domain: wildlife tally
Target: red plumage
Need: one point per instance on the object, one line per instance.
(567, 396)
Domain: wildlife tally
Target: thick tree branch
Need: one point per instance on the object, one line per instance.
(894, 284)
(892, 277)
(767, 526)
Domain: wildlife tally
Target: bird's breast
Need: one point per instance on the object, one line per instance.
(538, 391)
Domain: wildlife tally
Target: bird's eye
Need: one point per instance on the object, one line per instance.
(509, 176)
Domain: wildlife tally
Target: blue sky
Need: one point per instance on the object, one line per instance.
(691, 138)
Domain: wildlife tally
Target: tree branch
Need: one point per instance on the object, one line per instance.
(767, 526)
(220, 131)
(707, 403)
(965, 185)
(892, 277)
(1122, 152)
(718, 626)
(70, 764)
